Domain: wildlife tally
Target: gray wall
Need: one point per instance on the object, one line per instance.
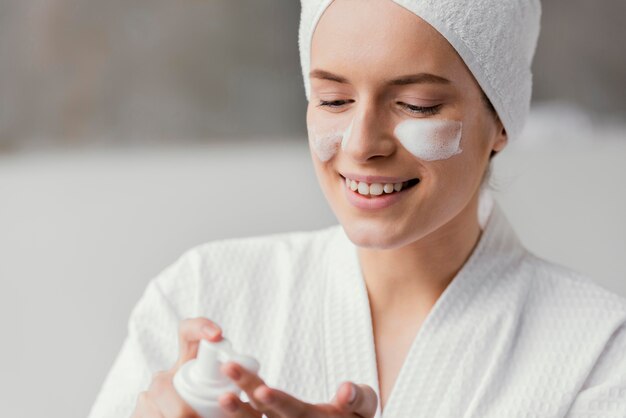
(120, 70)
(580, 56)
(74, 71)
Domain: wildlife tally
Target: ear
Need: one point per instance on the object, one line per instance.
(501, 138)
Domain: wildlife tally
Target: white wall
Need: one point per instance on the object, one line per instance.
(82, 232)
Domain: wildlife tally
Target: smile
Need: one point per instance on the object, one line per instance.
(375, 196)
(377, 189)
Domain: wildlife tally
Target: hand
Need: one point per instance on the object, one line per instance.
(161, 400)
(277, 404)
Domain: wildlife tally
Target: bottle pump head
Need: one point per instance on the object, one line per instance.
(212, 355)
(201, 377)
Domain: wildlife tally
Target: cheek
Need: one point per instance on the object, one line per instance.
(324, 143)
(430, 139)
(325, 137)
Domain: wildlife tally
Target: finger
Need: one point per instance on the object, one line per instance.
(190, 332)
(235, 408)
(275, 402)
(357, 399)
(243, 378)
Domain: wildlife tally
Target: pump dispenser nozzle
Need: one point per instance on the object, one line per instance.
(200, 382)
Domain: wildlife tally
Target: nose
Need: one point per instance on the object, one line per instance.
(369, 137)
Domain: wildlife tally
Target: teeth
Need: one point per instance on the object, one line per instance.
(374, 189)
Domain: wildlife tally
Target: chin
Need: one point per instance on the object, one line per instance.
(369, 234)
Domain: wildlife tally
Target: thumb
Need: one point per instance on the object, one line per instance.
(357, 399)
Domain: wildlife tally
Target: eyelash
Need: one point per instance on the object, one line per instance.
(411, 108)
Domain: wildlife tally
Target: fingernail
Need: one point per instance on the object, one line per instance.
(232, 406)
(352, 393)
(234, 373)
(211, 331)
(266, 397)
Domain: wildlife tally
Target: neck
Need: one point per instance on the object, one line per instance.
(412, 277)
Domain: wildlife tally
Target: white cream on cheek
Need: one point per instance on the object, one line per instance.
(430, 139)
(325, 143)
(427, 139)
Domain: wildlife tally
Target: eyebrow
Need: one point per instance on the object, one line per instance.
(420, 78)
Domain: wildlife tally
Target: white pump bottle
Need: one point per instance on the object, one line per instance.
(200, 382)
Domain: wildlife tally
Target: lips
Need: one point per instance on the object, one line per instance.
(388, 185)
(370, 179)
(374, 197)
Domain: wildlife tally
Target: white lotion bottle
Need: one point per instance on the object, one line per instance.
(200, 382)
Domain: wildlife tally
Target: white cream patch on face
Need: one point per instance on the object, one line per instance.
(430, 139)
(325, 143)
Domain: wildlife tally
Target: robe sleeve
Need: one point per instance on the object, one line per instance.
(151, 343)
(603, 395)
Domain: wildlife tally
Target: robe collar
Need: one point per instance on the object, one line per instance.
(348, 344)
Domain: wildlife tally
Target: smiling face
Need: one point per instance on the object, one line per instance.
(431, 132)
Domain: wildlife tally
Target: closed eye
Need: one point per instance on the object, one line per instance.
(431, 110)
(333, 103)
(424, 110)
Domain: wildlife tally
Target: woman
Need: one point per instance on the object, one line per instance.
(422, 302)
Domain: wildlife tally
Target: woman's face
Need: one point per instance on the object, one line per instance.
(362, 124)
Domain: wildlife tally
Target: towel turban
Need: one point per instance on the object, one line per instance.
(495, 38)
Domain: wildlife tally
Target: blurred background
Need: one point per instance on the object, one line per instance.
(130, 131)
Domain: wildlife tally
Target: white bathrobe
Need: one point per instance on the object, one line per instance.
(511, 336)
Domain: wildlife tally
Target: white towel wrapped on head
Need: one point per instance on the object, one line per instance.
(495, 38)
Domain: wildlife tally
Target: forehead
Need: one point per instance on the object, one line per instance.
(380, 38)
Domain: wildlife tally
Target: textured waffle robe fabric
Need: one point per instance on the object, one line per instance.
(511, 336)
